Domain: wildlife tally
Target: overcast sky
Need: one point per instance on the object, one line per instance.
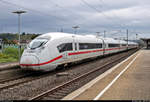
(113, 16)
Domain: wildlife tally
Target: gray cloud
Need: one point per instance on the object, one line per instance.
(91, 15)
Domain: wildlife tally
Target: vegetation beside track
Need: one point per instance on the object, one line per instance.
(9, 55)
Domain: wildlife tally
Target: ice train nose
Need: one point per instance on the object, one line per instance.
(29, 60)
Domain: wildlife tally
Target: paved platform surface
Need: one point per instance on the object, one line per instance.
(130, 80)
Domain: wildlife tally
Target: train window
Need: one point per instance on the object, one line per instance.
(89, 45)
(123, 44)
(131, 45)
(113, 45)
(36, 43)
(65, 47)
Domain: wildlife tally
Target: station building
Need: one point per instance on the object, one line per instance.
(146, 42)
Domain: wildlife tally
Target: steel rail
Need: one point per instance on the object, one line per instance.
(64, 85)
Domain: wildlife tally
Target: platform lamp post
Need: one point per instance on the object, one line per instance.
(75, 27)
(127, 38)
(104, 33)
(98, 34)
(19, 13)
(136, 37)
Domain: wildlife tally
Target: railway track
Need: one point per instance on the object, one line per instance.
(10, 72)
(13, 75)
(25, 79)
(30, 76)
(77, 67)
(62, 90)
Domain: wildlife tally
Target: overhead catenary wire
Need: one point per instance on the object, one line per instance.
(108, 17)
(114, 21)
(57, 5)
(104, 5)
(62, 7)
(97, 10)
(41, 13)
(32, 10)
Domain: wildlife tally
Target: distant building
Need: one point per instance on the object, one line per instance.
(146, 42)
(0, 45)
(25, 41)
(15, 41)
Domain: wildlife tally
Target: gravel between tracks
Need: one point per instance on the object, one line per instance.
(30, 89)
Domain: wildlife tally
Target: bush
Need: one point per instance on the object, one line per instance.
(4, 56)
(12, 52)
(9, 55)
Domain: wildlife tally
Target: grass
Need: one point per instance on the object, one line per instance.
(9, 55)
(10, 59)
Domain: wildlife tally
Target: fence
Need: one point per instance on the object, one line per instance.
(14, 45)
(3, 46)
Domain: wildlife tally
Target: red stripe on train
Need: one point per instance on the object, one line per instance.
(84, 52)
(74, 53)
(42, 63)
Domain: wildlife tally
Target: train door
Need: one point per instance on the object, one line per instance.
(106, 47)
(65, 56)
(103, 46)
(65, 48)
(75, 48)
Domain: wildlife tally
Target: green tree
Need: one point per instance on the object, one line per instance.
(5, 40)
(34, 36)
(23, 33)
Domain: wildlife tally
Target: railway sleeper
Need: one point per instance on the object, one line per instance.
(53, 96)
(62, 91)
(49, 98)
(60, 94)
(70, 88)
(67, 89)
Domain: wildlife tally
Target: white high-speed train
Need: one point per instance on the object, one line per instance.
(50, 50)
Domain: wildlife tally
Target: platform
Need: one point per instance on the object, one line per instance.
(129, 80)
(5, 66)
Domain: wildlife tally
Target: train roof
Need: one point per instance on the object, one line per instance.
(56, 35)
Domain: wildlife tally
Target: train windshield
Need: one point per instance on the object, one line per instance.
(36, 43)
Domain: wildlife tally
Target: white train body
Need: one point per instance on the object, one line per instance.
(49, 50)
